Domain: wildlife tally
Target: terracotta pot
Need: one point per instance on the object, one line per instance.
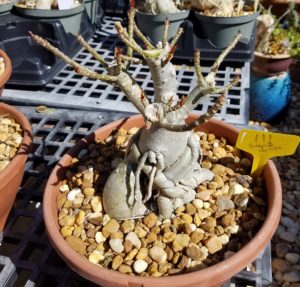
(11, 176)
(210, 277)
(7, 72)
(269, 65)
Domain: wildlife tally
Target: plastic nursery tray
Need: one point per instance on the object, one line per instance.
(34, 66)
(26, 256)
(73, 91)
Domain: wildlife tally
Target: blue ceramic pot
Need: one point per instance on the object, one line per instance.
(269, 97)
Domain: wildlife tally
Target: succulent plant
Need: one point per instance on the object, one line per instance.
(166, 151)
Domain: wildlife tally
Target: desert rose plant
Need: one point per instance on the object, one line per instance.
(165, 150)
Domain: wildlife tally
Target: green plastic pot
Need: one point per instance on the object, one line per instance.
(5, 8)
(153, 25)
(70, 18)
(220, 31)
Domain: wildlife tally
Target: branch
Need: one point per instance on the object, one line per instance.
(198, 68)
(176, 38)
(131, 16)
(77, 67)
(92, 51)
(165, 33)
(222, 56)
(150, 54)
(199, 121)
(142, 37)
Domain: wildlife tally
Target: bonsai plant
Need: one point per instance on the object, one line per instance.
(151, 16)
(219, 21)
(149, 221)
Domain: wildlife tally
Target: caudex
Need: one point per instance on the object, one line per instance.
(165, 150)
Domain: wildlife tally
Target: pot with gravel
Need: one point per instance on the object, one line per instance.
(15, 141)
(149, 195)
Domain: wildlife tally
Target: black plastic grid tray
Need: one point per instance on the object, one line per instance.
(69, 90)
(26, 256)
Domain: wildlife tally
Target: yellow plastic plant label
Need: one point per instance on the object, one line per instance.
(265, 145)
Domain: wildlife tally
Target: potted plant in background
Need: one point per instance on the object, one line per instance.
(69, 14)
(146, 216)
(277, 47)
(5, 69)
(151, 16)
(219, 21)
(5, 6)
(15, 141)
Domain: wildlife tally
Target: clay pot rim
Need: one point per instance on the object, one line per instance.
(274, 57)
(8, 68)
(220, 270)
(24, 149)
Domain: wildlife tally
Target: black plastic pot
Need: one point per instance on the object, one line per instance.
(70, 18)
(220, 31)
(153, 25)
(5, 8)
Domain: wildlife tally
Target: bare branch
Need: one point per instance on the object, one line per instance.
(149, 54)
(222, 56)
(131, 59)
(131, 15)
(165, 33)
(118, 57)
(176, 38)
(198, 67)
(92, 51)
(142, 37)
(199, 121)
(77, 67)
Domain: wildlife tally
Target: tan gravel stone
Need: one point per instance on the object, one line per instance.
(180, 242)
(76, 244)
(158, 254)
(150, 220)
(213, 244)
(117, 261)
(111, 227)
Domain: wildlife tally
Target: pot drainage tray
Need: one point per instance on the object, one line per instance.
(26, 256)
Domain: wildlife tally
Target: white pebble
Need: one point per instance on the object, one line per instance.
(134, 239)
(140, 266)
(224, 239)
(99, 237)
(116, 245)
(193, 226)
(106, 219)
(198, 203)
(64, 188)
(233, 229)
(236, 189)
(158, 254)
(206, 205)
(73, 193)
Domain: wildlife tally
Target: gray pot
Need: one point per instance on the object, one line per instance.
(70, 18)
(91, 8)
(153, 25)
(221, 30)
(5, 8)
